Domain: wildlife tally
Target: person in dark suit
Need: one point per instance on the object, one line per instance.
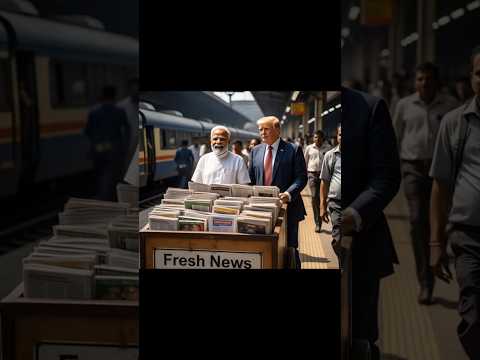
(279, 163)
(370, 180)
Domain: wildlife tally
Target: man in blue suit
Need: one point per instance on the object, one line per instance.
(282, 164)
(370, 180)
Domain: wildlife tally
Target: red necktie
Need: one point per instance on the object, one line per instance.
(268, 168)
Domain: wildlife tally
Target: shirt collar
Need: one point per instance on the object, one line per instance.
(473, 107)
(439, 98)
(275, 145)
(337, 149)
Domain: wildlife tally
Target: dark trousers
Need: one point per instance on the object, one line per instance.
(466, 247)
(108, 169)
(292, 239)
(418, 186)
(365, 293)
(314, 185)
(335, 210)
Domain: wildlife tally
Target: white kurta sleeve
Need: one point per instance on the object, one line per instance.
(242, 173)
(198, 174)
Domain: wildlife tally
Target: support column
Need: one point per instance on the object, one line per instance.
(426, 10)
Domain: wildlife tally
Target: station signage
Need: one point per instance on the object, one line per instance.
(376, 12)
(297, 109)
(205, 259)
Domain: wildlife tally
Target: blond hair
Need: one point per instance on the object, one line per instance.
(269, 119)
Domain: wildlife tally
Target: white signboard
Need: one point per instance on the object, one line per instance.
(50, 351)
(205, 259)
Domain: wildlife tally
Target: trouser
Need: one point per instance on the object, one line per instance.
(334, 208)
(465, 243)
(108, 169)
(365, 294)
(417, 187)
(292, 239)
(314, 185)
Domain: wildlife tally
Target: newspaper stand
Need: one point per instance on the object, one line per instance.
(271, 250)
(27, 324)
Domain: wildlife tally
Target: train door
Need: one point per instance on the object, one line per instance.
(28, 113)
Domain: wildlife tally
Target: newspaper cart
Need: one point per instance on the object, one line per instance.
(42, 329)
(214, 250)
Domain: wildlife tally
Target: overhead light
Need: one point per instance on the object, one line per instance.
(311, 120)
(325, 113)
(457, 13)
(345, 32)
(281, 122)
(295, 95)
(354, 12)
(385, 52)
(473, 5)
(287, 109)
(331, 109)
(284, 117)
(300, 126)
(435, 25)
(338, 106)
(443, 20)
(409, 39)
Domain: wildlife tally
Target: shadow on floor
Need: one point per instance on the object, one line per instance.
(308, 258)
(392, 357)
(446, 303)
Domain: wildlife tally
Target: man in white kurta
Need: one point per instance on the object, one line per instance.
(221, 166)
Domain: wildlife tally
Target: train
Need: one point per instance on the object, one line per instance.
(161, 133)
(52, 72)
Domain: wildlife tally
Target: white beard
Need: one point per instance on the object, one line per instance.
(220, 153)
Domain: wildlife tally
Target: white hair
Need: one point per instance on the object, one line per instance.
(220, 127)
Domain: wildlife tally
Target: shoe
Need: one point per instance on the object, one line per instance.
(317, 229)
(425, 296)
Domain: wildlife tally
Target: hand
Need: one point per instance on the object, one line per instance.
(324, 215)
(283, 197)
(440, 264)
(348, 223)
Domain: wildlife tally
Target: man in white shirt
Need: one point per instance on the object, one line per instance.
(221, 166)
(195, 149)
(314, 154)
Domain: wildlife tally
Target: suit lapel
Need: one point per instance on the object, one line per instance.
(278, 158)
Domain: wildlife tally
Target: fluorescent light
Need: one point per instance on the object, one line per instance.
(435, 25)
(338, 106)
(444, 20)
(295, 95)
(409, 39)
(414, 37)
(300, 126)
(354, 12)
(385, 52)
(457, 13)
(284, 117)
(473, 5)
(325, 113)
(331, 109)
(287, 109)
(345, 32)
(311, 120)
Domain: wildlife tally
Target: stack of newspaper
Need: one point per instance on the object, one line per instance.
(230, 207)
(239, 190)
(177, 193)
(268, 191)
(93, 253)
(200, 204)
(92, 212)
(123, 232)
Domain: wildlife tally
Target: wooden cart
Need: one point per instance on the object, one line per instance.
(30, 325)
(194, 250)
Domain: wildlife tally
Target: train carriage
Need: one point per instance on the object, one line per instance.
(51, 73)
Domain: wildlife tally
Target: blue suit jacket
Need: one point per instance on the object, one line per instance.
(289, 174)
(370, 178)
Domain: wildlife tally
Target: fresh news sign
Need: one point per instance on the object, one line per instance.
(204, 259)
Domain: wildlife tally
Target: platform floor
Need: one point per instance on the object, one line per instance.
(315, 248)
(409, 331)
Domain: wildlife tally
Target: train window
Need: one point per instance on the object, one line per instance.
(68, 84)
(5, 88)
(170, 141)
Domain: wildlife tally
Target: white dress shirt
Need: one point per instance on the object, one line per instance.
(214, 170)
(274, 152)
